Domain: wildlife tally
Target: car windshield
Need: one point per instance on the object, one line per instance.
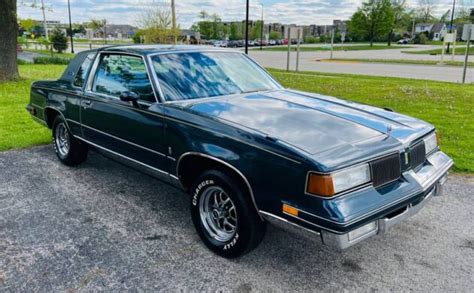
(194, 75)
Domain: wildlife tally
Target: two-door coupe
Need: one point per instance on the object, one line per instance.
(247, 150)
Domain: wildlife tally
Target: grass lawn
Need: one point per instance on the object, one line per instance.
(17, 129)
(336, 48)
(461, 50)
(449, 106)
(401, 61)
(55, 54)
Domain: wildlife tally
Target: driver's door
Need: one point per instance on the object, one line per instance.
(129, 129)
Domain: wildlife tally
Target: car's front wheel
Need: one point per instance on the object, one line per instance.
(223, 215)
(69, 150)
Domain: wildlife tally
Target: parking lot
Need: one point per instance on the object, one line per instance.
(105, 226)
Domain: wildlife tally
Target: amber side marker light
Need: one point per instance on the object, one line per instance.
(290, 210)
(320, 184)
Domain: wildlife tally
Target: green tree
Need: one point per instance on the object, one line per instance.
(137, 37)
(372, 20)
(205, 25)
(43, 41)
(275, 35)
(98, 25)
(398, 8)
(234, 32)
(27, 24)
(8, 40)
(58, 39)
(216, 26)
(425, 10)
(256, 31)
(156, 24)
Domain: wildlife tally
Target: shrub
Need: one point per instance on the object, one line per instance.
(137, 37)
(59, 40)
(22, 62)
(420, 39)
(43, 42)
(23, 42)
(310, 40)
(51, 60)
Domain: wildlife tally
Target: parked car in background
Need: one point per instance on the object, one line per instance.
(272, 42)
(404, 41)
(233, 44)
(248, 151)
(221, 44)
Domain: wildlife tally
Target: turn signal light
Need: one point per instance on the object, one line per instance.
(320, 184)
(290, 210)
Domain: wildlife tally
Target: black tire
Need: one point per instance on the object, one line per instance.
(249, 228)
(76, 152)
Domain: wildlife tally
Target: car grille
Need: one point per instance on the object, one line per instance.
(385, 170)
(417, 154)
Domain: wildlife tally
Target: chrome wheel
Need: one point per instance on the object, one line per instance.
(62, 140)
(218, 214)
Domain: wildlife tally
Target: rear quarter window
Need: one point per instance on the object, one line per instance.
(81, 75)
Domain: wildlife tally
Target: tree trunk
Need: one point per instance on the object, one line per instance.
(8, 40)
(390, 38)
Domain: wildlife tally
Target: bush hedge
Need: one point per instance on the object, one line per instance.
(50, 60)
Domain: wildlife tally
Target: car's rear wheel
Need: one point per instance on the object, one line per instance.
(223, 215)
(69, 150)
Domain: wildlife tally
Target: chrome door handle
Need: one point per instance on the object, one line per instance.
(86, 104)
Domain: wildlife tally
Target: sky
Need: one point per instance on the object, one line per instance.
(301, 12)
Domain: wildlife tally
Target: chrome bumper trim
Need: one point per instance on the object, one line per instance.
(435, 170)
(431, 178)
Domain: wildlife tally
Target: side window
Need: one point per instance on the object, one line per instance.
(119, 73)
(80, 77)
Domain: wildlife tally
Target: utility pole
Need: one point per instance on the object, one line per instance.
(70, 26)
(173, 16)
(261, 30)
(466, 57)
(45, 26)
(105, 31)
(247, 28)
(451, 25)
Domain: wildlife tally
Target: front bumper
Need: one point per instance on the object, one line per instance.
(430, 179)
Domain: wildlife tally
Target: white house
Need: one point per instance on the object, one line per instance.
(423, 27)
(438, 30)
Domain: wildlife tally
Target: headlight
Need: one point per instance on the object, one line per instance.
(431, 143)
(331, 184)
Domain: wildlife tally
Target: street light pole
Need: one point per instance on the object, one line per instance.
(261, 30)
(70, 26)
(173, 16)
(247, 29)
(45, 26)
(451, 25)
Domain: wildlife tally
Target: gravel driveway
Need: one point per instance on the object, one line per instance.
(105, 226)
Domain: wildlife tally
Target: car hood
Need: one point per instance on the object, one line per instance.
(309, 122)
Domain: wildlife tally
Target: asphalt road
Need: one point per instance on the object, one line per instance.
(317, 61)
(105, 226)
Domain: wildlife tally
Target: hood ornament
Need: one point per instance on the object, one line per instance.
(389, 129)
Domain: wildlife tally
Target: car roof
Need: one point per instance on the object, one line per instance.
(151, 49)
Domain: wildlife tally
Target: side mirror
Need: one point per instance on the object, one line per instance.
(130, 97)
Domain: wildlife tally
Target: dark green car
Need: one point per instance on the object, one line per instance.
(213, 122)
